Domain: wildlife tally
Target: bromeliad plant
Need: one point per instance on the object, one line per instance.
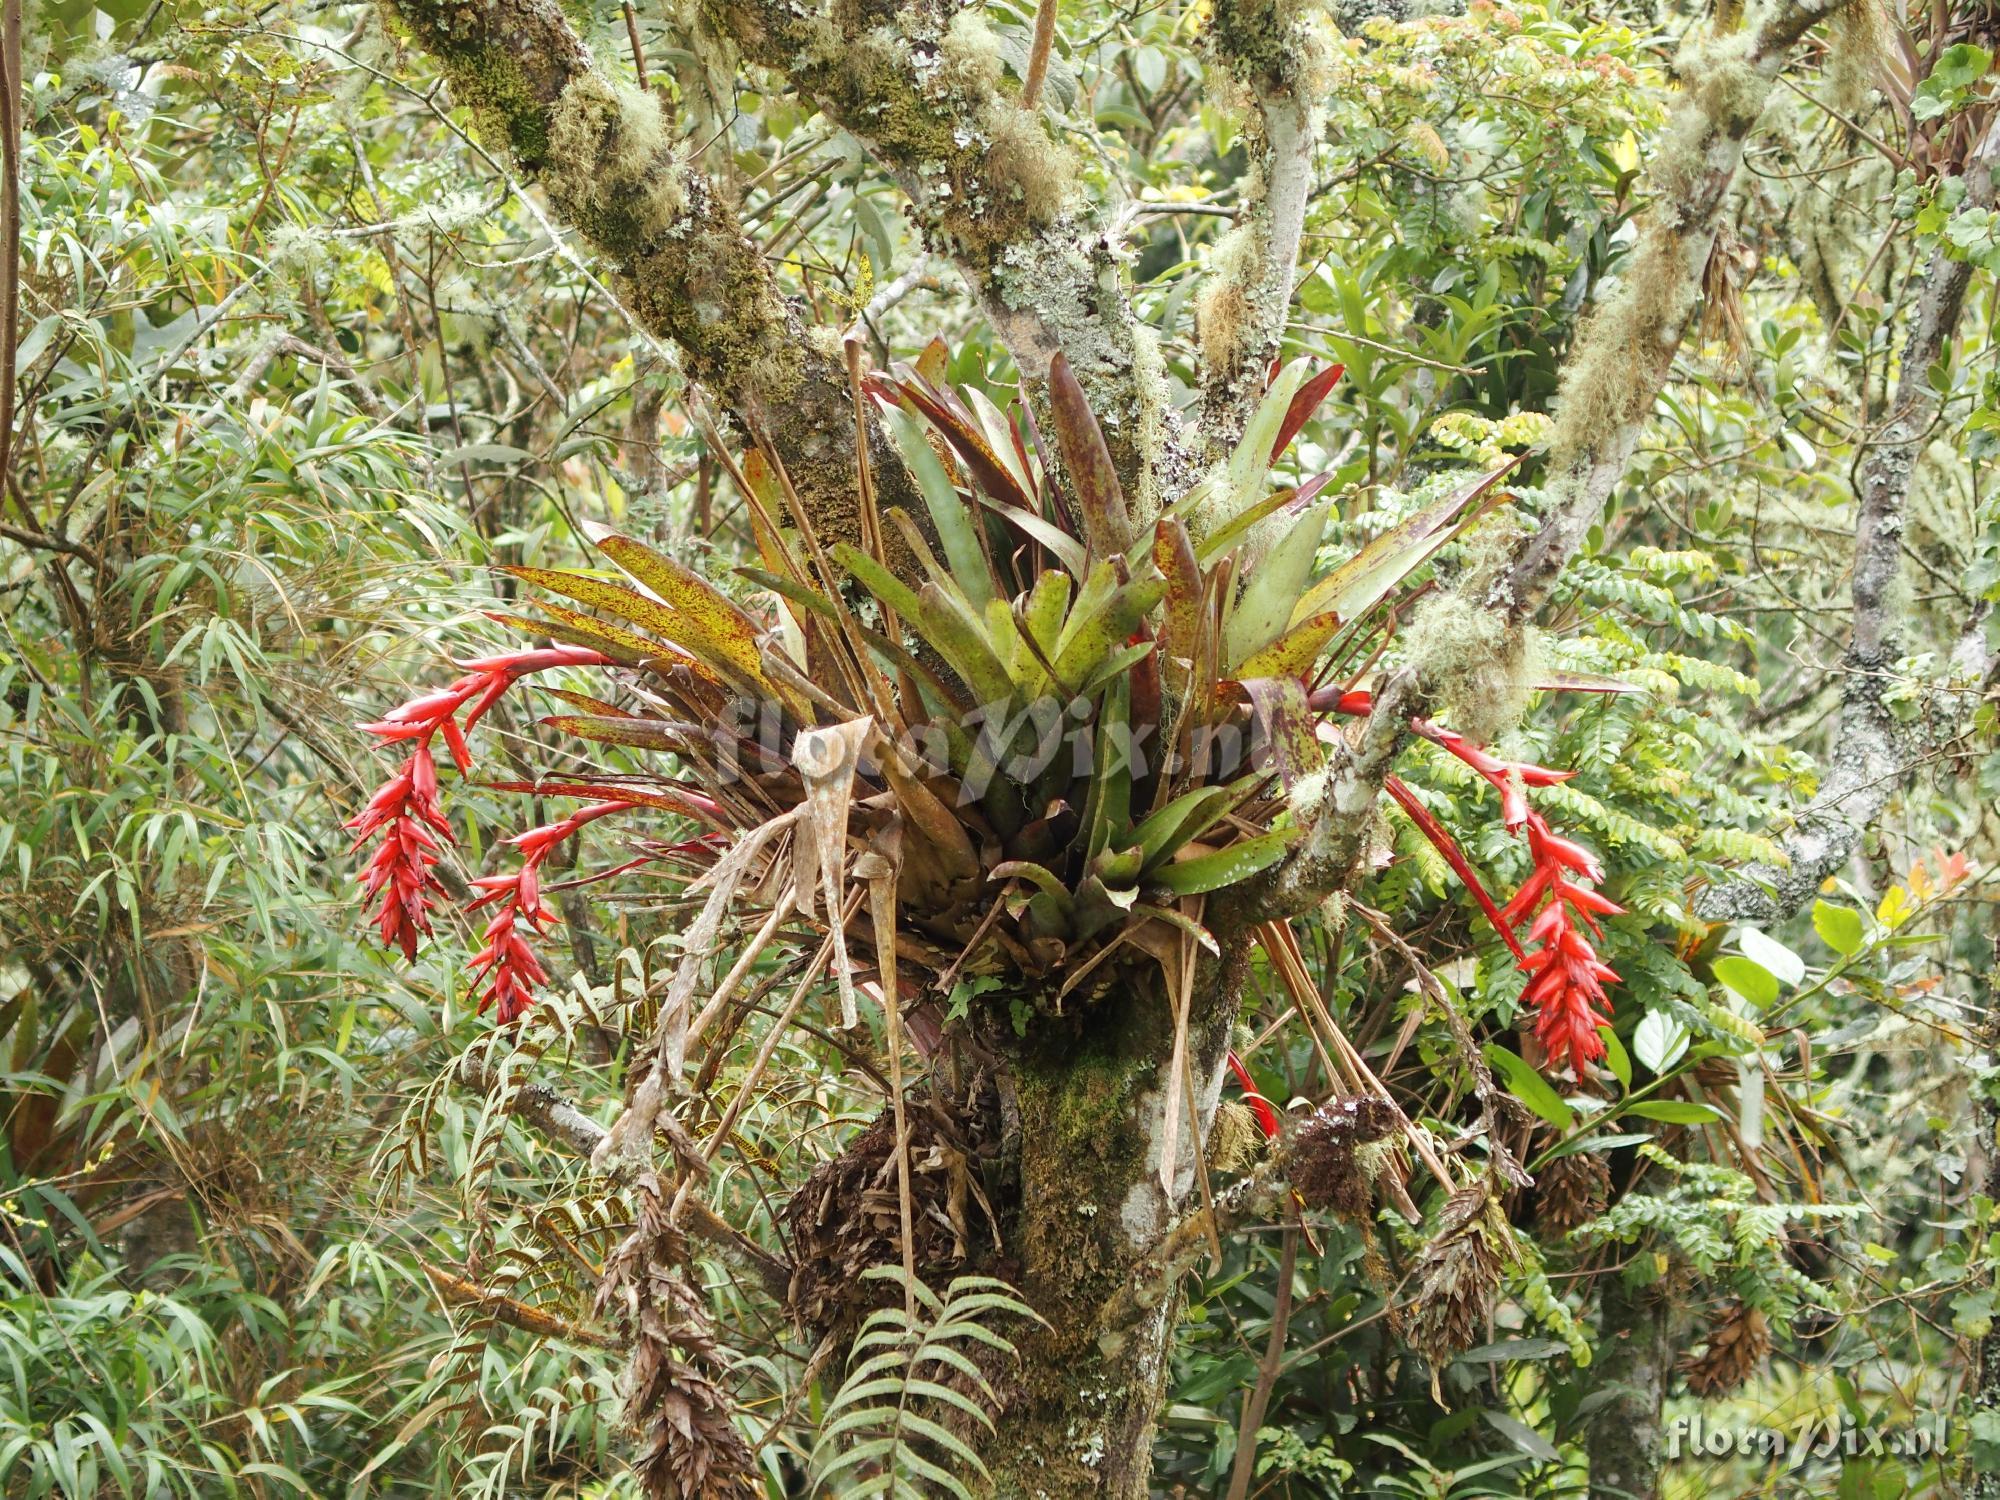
(1036, 727)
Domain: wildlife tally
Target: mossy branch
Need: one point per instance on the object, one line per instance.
(1338, 818)
(995, 188)
(1625, 353)
(606, 157)
(1274, 52)
(1872, 755)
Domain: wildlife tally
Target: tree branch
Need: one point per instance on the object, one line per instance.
(549, 1112)
(604, 155)
(1625, 353)
(1872, 754)
(1338, 824)
(1269, 50)
(993, 190)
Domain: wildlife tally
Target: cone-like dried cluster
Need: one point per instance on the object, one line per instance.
(1571, 1190)
(674, 1397)
(1457, 1277)
(846, 1217)
(1738, 1344)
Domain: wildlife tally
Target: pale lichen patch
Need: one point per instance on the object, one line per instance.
(1477, 664)
(611, 165)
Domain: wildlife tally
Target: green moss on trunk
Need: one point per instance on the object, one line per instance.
(1089, 1090)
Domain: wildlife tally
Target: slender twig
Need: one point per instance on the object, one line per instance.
(1259, 1399)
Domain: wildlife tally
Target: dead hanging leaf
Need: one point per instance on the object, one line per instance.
(827, 758)
(722, 881)
(631, 1134)
(1730, 265)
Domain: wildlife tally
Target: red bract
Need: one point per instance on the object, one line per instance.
(1267, 1118)
(507, 966)
(1566, 979)
(406, 810)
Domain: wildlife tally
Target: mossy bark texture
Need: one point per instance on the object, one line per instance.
(605, 158)
(1091, 1091)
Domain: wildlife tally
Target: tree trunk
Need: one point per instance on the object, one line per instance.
(1093, 1092)
(1636, 1360)
(1985, 1481)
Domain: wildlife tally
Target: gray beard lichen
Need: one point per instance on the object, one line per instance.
(1478, 666)
(1222, 310)
(1612, 376)
(612, 167)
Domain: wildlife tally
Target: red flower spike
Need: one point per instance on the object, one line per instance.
(1267, 1118)
(1566, 987)
(1453, 856)
(406, 810)
(507, 967)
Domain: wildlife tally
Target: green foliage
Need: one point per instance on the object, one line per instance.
(915, 1374)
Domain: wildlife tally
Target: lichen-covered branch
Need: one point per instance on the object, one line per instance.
(1273, 51)
(1872, 753)
(605, 155)
(1338, 818)
(993, 189)
(1625, 353)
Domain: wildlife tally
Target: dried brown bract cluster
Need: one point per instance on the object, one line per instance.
(1573, 1191)
(1739, 1342)
(846, 1218)
(1324, 1166)
(689, 1446)
(1457, 1276)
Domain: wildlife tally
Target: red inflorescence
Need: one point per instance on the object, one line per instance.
(408, 815)
(1267, 1118)
(1566, 979)
(507, 965)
